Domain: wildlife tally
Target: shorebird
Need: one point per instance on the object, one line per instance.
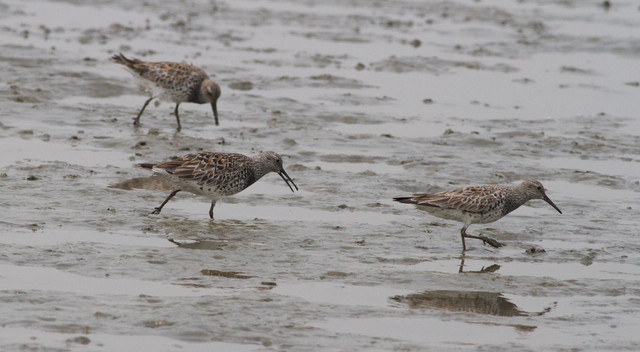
(217, 175)
(478, 205)
(176, 82)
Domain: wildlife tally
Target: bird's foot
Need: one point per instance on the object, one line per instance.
(156, 211)
(491, 241)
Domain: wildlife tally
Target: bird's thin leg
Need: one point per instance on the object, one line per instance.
(460, 270)
(213, 204)
(484, 239)
(463, 234)
(158, 209)
(136, 121)
(177, 116)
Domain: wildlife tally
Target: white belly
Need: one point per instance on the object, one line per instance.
(462, 216)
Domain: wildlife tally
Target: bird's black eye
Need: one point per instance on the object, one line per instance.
(539, 188)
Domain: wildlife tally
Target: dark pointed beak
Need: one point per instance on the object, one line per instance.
(214, 106)
(546, 199)
(286, 179)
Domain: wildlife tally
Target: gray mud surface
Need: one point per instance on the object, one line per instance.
(366, 100)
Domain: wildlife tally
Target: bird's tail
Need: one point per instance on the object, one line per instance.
(123, 60)
(406, 200)
(147, 166)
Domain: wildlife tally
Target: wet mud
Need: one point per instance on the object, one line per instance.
(365, 101)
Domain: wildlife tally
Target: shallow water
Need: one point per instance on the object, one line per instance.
(366, 101)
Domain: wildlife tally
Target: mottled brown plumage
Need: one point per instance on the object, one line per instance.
(176, 82)
(217, 175)
(478, 205)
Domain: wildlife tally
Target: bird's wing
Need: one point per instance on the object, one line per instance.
(470, 199)
(166, 74)
(203, 167)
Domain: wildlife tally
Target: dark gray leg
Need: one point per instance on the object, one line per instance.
(463, 234)
(177, 116)
(136, 121)
(158, 209)
(213, 204)
(484, 239)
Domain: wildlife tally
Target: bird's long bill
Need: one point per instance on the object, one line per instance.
(546, 199)
(286, 179)
(214, 106)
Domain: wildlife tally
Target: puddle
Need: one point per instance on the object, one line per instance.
(339, 294)
(101, 342)
(52, 237)
(350, 167)
(36, 278)
(558, 271)
(195, 209)
(612, 166)
(431, 331)
(34, 150)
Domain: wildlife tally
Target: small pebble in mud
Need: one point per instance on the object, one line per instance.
(83, 340)
(534, 250)
(156, 323)
(360, 66)
(427, 101)
(289, 142)
(387, 135)
(140, 145)
(523, 80)
(33, 178)
(3, 175)
(448, 131)
(225, 274)
(415, 43)
(298, 167)
(245, 85)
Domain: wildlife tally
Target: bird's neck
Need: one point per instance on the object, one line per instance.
(259, 168)
(514, 199)
(199, 95)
